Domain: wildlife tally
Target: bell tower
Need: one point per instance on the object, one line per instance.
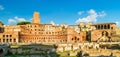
(36, 18)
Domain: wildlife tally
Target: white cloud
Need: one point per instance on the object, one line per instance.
(15, 20)
(92, 16)
(11, 21)
(51, 22)
(19, 19)
(1, 7)
(102, 14)
(117, 23)
(80, 12)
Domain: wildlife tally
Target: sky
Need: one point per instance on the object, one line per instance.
(60, 11)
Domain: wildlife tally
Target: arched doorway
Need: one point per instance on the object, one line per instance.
(98, 26)
(104, 33)
(1, 51)
(105, 27)
(101, 26)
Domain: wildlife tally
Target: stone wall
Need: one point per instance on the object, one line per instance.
(32, 49)
(73, 47)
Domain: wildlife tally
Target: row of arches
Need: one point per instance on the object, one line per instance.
(75, 39)
(43, 39)
(103, 26)
(7, 35)
(7, 40)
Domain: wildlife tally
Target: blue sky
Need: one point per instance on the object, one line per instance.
(60, 11)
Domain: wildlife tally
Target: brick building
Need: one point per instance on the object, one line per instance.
(50, 33)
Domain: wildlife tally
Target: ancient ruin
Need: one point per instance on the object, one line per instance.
(84, 39)
(51, 33)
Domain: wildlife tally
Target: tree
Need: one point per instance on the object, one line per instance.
(23, 23)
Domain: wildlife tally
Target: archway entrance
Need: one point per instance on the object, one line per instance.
(105, 37)
(1, 51)
(104, 33)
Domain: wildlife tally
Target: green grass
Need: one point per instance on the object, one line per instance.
(25, 47)
(60, 54)
(16, 55)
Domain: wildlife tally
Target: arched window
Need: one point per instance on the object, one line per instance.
(105, 33)
(7, 40)
(111, 27)
(10, 40)
(6, 35)
(14, 40)
(3, 35)
(3, 40)
(72, 39)
(105, 27)
(10, 35)
(98, 26)
(101, 26)
(75, 38)
(108, 26)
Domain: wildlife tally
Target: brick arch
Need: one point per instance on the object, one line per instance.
(106, 33)
(105, 26)
(102, 27)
